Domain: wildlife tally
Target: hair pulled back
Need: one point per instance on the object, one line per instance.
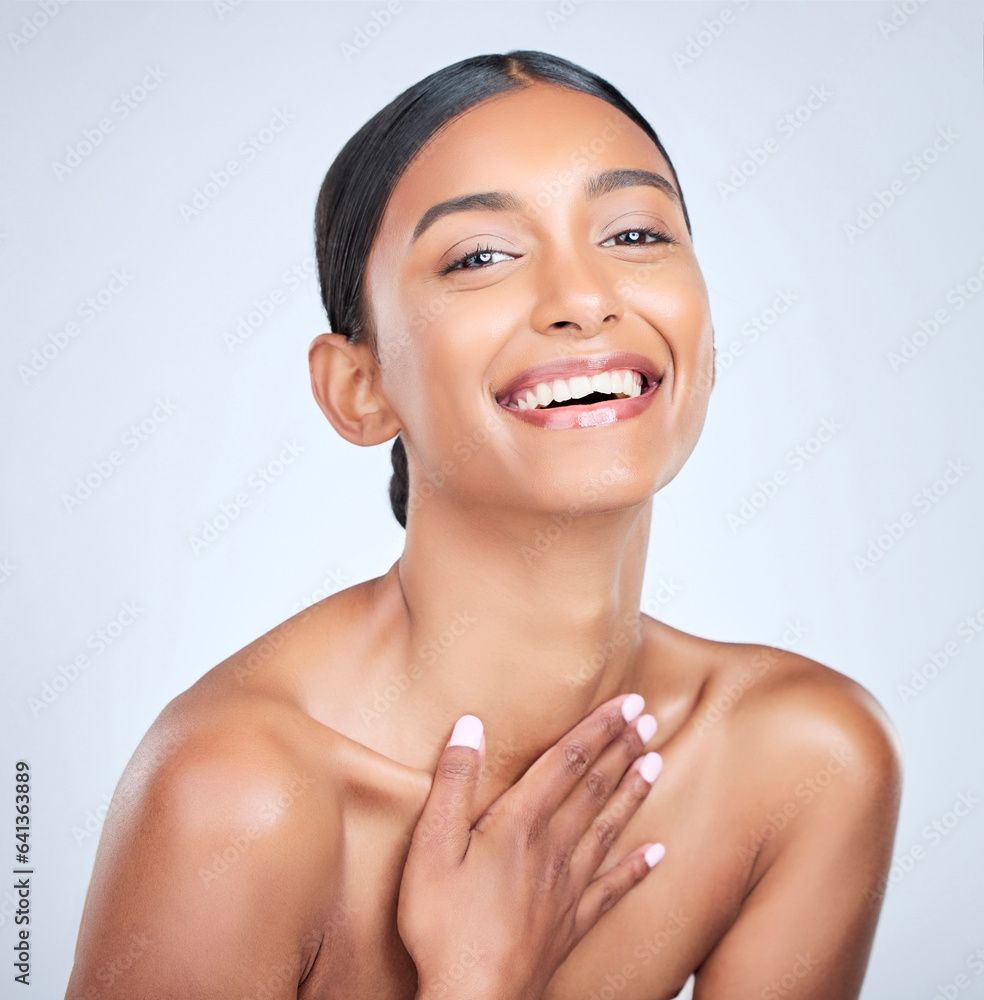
(362, 177)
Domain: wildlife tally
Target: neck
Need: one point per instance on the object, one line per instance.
(528, 624)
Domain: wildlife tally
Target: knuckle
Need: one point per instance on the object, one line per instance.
(606, 832)
(529, 824)
(612, 722)
(609, 897)
(576, 758)
(598, 786)
(458, 766)
(557, 869)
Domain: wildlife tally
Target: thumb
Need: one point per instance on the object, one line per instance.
(446, 821)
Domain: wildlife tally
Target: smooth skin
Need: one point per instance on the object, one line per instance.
(258, 841)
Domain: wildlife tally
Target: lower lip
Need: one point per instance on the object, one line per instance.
(563, 418)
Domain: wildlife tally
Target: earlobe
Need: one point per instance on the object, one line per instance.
(345, 383)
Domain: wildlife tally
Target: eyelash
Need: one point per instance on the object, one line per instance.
(659, 234)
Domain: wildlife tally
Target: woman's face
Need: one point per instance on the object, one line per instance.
(537, 248)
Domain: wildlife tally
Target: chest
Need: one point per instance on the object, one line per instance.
(643, 949)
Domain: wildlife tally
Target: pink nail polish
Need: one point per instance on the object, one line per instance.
(646, 727)
(632, 706)
(654, 854)
(651, 765)
(467, 732)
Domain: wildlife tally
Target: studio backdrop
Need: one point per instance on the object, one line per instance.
(171, 490)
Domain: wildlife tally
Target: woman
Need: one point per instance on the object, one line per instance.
(507, 266)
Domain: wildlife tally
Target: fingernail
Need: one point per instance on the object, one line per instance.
(654, 854)
(467, 732)
(632, 706)
(651, 765)
(646, 727)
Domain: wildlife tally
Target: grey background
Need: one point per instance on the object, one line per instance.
(223, 72)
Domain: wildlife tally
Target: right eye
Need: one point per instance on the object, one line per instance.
(478, 258)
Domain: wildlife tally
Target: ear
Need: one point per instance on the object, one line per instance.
(345, 382)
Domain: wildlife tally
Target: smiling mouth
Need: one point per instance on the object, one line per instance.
(578, 390)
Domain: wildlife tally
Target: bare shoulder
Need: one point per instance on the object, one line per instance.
(785, 710)
(811, 708)
(192, 880)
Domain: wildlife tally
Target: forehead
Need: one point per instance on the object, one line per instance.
(535, 141)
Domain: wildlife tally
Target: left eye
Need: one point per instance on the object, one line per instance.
(639, 237)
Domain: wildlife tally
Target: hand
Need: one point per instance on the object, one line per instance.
(488, 910)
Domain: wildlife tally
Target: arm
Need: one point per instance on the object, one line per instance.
(804, 931)
(209, 873)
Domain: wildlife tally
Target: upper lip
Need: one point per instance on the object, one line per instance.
(585, 364)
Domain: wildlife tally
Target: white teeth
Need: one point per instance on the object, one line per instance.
(580, 386)
(623, 382)
(561, 391)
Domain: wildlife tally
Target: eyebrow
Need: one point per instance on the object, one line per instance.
(502, 201)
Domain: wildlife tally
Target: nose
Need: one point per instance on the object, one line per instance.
(575, 297)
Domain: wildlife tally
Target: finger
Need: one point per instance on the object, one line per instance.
(602, 832)
(593, 791)
(444, 828)
(606, 890)
(554, 774)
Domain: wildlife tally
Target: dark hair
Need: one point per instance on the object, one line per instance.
(360, 180)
